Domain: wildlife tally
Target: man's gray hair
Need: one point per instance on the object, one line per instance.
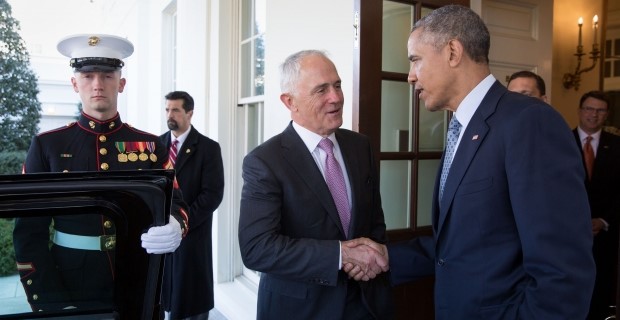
(289, 69)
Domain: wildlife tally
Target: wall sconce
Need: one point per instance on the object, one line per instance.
(571, 80)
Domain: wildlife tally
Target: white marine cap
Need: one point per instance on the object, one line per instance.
(95, 52)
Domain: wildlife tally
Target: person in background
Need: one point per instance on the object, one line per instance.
(511, 223)
(528, 83)
(187, 288)
(77, 270)
(307, 192)
(601, 160)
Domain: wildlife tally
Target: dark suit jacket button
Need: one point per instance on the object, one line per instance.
(440, 262)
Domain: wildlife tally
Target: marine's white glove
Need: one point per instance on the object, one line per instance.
(162, 239)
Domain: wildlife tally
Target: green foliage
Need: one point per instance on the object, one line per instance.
(7, 254)
(20, 110)
(11, 162)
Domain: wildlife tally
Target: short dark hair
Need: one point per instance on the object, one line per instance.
(460, 23)
(600, 95)
(188, 101)
(540, 83)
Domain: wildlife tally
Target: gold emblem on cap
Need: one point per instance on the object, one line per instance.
(93, 41)
(91, 124)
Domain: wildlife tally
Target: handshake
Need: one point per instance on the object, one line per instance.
(363, 259)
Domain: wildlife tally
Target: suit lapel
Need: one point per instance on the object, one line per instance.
(296, 154)
(187, 150)
(472, 138)
(602, 154)
(351, 162)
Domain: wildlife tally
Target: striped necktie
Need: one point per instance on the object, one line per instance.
(172, 154)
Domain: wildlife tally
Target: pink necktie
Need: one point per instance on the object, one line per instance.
(172, 154)
(336, 184)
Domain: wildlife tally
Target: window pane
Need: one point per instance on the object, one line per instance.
(246, 19)
(427, 171)
(259, 67)
(395, 189)
(260, 17)
(397, 23)
(395, 116)
(246, 70)
(432, 129)
(607, 69)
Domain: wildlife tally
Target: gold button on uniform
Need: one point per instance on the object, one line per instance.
(103, 151)
(107, 224)
(105, 166)
(35, 297)
(102, 138)
(29, 282)
(110, 244)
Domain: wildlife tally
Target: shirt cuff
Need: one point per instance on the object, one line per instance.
(340, 256)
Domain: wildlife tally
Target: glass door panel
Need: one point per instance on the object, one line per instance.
(427, 171)
(395, 190)
(396, 120)
(397, 23)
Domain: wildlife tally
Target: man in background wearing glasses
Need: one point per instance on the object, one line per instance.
(601, 158)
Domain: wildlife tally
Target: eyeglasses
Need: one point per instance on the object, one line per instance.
(593, 110)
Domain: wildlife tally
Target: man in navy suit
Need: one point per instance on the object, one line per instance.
(187, 288)
(292, 229)
(603, 191)
(512, 230)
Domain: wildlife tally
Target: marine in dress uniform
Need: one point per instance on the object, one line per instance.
(77, 270)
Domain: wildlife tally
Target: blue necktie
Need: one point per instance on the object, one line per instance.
(454, 128)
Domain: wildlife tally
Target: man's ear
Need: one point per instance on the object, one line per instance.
(456, 51)
(121, 85)
(74, 84)
(287, 99)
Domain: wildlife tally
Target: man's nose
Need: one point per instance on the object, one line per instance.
(412, 77)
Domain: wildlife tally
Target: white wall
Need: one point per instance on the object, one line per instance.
(297, 25)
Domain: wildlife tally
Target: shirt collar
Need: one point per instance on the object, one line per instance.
(180, 138)
(311, 139)
(470, 104)
(583, 135)
(99, 127)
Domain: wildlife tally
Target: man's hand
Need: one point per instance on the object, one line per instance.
(597, 226)
(162, 239)
(363, 259)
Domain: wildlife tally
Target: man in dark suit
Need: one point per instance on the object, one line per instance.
(296, 217)
(603, 192)
(187, 288)
(512, 231)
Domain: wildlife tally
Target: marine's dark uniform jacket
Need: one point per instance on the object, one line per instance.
(59, 277)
